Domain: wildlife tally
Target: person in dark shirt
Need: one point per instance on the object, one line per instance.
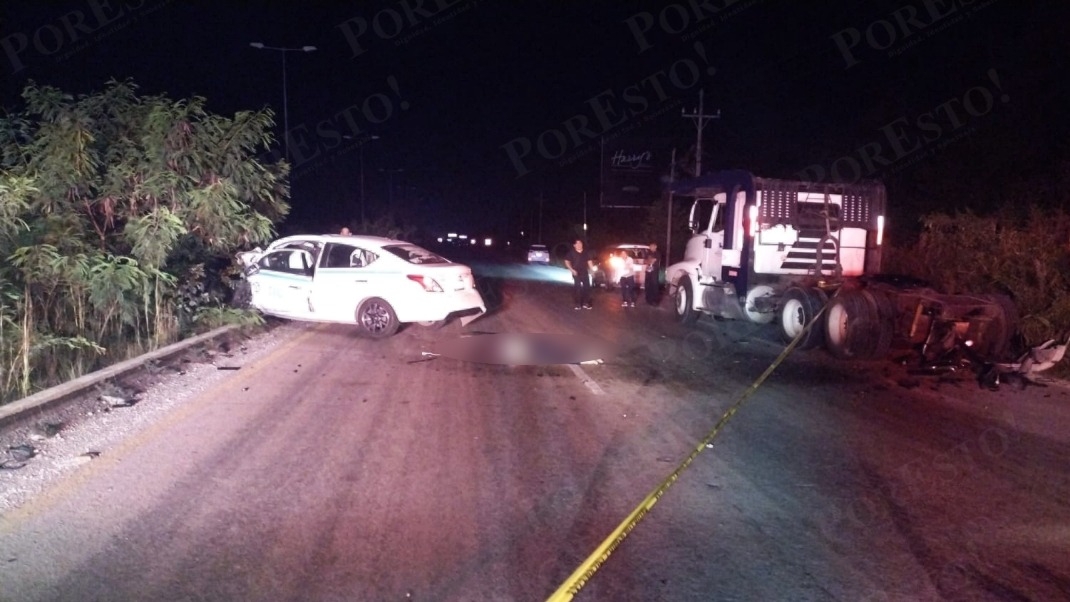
(652, 282)
(579, 262)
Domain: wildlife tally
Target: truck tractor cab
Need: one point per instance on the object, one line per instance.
(755, 239)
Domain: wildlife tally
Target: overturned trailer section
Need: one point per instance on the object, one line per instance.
(777, 252)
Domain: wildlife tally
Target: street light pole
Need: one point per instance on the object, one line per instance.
(285, 99)
(362, 177)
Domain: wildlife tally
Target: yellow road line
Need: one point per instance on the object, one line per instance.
(575, 582)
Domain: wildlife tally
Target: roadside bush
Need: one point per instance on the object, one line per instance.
(117, 213)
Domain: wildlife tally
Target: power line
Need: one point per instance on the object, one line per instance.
(700, 119)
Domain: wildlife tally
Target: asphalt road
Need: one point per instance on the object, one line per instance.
(342, 468)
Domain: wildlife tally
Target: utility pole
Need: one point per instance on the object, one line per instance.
(700, 120)
(668, 217)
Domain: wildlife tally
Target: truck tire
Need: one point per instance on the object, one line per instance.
(885, 311)
(684, 301)
(853, 327)
(1003, 328)
(796, 311)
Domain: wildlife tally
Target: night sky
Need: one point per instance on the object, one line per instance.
(482, 106)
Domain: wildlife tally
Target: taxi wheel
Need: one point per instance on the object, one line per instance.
(376, 318)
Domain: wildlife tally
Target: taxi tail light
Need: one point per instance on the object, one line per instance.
(880, 230)
(429, 283)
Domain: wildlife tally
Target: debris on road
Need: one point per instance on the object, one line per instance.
(960, 357)
(119, 402)
(427, 356)
(18, 456)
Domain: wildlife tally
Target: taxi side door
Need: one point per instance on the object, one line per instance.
(282, 283)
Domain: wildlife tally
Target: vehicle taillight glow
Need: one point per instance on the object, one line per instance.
(880, 229)
(752, 215)
(429, 284)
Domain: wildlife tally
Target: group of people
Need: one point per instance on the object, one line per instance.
(581, 264)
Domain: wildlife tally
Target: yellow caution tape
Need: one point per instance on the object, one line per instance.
(575, 582)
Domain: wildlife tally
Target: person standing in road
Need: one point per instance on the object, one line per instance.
(627, 280)
(579, 262)
(652, 280)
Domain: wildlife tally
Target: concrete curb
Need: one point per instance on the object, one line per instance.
(18, 409)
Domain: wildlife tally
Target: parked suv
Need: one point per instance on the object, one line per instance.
(539, 254)
(608, 266)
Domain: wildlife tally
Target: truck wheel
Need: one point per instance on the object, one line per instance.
(684, 302)
(1003, 328)
(853, 327)
(885, 311)
(797, 310)
(376, 318)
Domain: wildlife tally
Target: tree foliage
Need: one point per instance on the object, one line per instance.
(108, 201)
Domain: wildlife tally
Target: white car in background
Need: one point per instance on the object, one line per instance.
(539, 254)
(610, 264)
(376, 283)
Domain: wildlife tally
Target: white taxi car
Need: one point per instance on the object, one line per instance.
(376, 283)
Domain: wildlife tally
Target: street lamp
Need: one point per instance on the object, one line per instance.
(373, 137)
(285, 101)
